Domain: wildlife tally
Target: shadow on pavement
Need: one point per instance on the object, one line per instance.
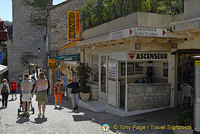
(1, 108)
(21, 119)
(40, 120)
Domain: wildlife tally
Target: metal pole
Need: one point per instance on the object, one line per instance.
(126, 90)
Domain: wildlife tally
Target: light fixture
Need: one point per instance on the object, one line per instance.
(39, 50)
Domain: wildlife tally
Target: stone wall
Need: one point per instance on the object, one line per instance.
(138, 18)
(23, 49)
(148, 96)
(57, 23)
(191, 9)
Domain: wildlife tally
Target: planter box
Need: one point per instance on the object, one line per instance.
(85, 96)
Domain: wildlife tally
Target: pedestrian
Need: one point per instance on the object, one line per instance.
(5, 91)
(74, 92)
(26, 87)
(13, 88)
(58, 92)
(41, 96)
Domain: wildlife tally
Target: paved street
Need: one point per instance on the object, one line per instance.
(65, 121)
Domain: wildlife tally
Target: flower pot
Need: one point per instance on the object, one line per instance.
(85, 96)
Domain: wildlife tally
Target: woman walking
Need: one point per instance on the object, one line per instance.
(5, 91)
(41, 96)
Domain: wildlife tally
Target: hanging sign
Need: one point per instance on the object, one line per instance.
(52, 63)
(74, 26)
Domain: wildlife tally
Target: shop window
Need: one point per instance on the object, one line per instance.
(95, 68)
(138, 68)
(165, 69)
(130, 68)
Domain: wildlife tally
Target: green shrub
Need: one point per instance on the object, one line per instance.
(96, 12)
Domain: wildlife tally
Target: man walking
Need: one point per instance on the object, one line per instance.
(13, 88)
(5, 91)
(26, 87)
(74, 92)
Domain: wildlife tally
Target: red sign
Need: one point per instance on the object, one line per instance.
(131, 55)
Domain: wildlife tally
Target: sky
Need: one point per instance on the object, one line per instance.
(6, 9)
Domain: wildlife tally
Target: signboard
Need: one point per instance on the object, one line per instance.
(67, 58)
(52, 63)
(112, 69)
(74, 26)
(197, 62)
(1, 56)
(197, 97)
(138, 31)
(147, 56)
(112, 82)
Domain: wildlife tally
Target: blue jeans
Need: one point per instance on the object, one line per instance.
(73, 99)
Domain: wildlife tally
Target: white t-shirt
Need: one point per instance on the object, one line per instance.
(27, 86)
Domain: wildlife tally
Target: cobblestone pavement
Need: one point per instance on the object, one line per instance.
(65, 121)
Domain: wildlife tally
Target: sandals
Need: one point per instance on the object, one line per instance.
(39, 114)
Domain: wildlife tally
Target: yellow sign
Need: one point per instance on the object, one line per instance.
(52, 63)
(197, 62)
(74, 26)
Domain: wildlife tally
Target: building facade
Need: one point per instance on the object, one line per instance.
(60, 48)
(132, 62)
(190, 48)
(28, 45)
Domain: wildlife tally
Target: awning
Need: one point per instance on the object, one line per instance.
(71, 57)
(3, 69)
(68, 45)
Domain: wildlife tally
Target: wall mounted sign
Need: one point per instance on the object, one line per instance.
(112, 69)
(74, 26)
(147, 56)
(1, 56)
(141, 31)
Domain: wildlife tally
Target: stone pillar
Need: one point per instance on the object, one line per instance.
(51, 81)
(173, 79)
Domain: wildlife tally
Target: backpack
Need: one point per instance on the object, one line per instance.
(4, 88)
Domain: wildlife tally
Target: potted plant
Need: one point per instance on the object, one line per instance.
(83, 72)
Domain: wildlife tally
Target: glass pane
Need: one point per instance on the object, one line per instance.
(138, 68)
(95, 68)
(165, 69)
(103, 73)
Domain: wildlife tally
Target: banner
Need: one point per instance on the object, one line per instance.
(74, 26)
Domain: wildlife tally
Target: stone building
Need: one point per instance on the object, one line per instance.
(28, 44)
(58, 43)
(186, 72)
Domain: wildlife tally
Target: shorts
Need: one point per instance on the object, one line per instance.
(12, 91)
(26, 97)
